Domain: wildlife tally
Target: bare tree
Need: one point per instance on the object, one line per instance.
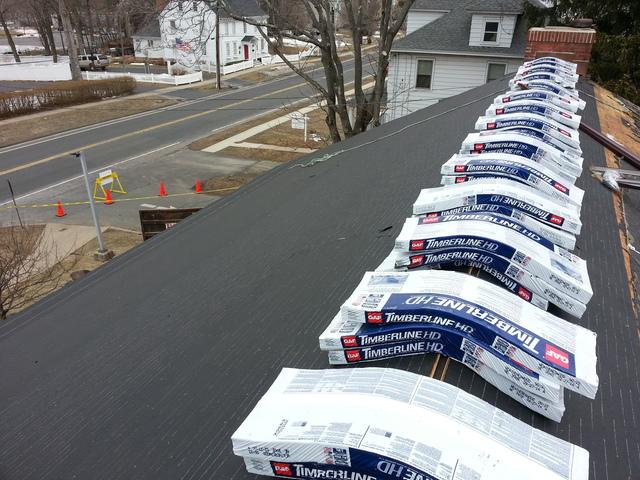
(4, 7)
(76, 74)
(320, 30)
(29, 270)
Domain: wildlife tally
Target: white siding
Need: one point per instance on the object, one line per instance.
(506, 26)
(419, 18)
(148, 47)
(452, 75)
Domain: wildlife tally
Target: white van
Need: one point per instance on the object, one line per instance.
(93, 62)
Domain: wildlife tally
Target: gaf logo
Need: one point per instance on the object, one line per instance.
(427, 220)
(478, 147)
(565, 133)
(560, 187)
(565, 114)
(459, 168)
(524, 293)
(416, 260)
(555, 219)
(491, 126)
(416, 245)
(432, 214)
(353, 356)
(556, 356)
(506, 99)
(461, 179)
(374, 317)
(282, 469)
(499, 111)
(350, 341)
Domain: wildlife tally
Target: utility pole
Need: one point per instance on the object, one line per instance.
(217, 30)
(102, 254)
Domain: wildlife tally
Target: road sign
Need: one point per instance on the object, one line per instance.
(107, 178)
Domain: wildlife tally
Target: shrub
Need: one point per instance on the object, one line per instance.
(63, 94)
(615, 63)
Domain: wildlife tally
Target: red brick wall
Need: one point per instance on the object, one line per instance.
(573, 45)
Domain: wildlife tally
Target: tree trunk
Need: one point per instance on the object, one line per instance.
(44, 39)
(76, 74)
(52, 39)
(12, 44)
(90, 25)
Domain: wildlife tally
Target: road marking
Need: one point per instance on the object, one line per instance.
(147, 130)
(147, 205)
(90, 173)
(115, 121)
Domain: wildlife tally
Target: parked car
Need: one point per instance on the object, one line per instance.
(93, 62)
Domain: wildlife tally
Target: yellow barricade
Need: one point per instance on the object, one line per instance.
(107, 178)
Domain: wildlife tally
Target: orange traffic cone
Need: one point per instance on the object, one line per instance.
(108, 200)
(198, 186)
(163, 192)
(60, 211)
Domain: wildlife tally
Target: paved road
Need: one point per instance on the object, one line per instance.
(37, 164)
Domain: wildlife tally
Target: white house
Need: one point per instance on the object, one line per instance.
(147, 41)
(188, 34)
(452, 46)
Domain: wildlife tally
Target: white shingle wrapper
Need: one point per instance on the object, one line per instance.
(510, 276)
(502, 193)
(384, 424)
(557, 79)
(352, 337)
(539, 95)
(536, 109)
(549, 140)
(522, 145)
(569, 66)
(556, 70)
(559, 237)
(548, 345)
(549, 126)
(516, 168)
(551, 409)
(557, 267)
(550, 87)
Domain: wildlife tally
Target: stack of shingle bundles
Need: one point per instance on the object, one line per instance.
(522, 350)
(512, 210)
(384, 424)
(519, 172)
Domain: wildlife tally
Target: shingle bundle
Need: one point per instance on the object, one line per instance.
(508, 208)
(383, 424)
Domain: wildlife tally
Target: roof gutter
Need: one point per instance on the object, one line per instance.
(461, 54)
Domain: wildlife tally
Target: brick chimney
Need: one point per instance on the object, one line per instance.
(567, 43)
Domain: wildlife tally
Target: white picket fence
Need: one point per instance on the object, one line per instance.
(276, 59)
(147, 77)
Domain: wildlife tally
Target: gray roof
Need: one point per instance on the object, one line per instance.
(502, 6)
(244, 8)
(434, 4)
(450, 33)
(144, 368)
(151, 29)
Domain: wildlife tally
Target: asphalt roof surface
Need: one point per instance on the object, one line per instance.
(444, 34)
(144, 368)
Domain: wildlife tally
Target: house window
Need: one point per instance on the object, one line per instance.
(425, 72)
(226, 28)
(172, 24)
(179, 6)
(244, 25)
(228, 47)
(233, 28)
(491, 31)
(262, 45)
(150, 42)
(195, 6)
(495, 71)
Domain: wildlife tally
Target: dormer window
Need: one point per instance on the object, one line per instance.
(491, 31)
